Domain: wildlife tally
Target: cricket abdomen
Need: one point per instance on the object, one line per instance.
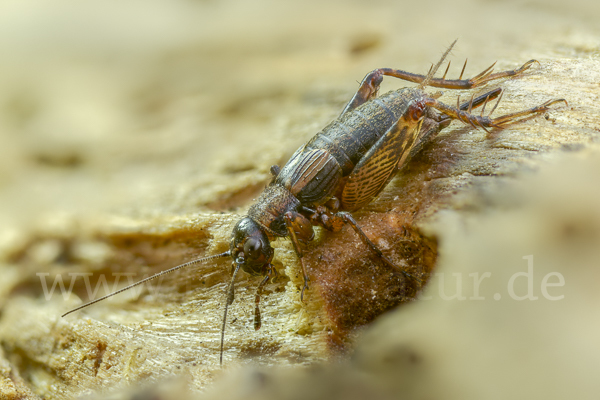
(312, 174)
(350, 136)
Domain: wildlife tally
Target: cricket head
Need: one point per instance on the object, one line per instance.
(250, 247)
(252, 253)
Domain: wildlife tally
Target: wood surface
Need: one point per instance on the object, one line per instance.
(135, 138)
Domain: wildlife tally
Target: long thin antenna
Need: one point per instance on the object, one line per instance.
(230, 296)
(187, 264)
(433, 70)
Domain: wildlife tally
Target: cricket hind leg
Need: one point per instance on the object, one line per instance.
(347, 218)
(369, 86)
(482, 100)
(480, 79)
(441, 121)
(486, 122)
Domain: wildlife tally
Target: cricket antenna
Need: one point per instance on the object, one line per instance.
(230, 296)
(187, 264)
(433, 70)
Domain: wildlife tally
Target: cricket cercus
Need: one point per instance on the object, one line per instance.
(346, 165)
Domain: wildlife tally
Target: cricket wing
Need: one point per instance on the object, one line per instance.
(376, 168)
(311, 175)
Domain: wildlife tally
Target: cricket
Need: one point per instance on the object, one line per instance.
(347, 165)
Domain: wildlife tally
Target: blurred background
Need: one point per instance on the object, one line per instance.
(106, 104)
(151, 108)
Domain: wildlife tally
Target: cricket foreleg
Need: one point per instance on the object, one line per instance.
(271, 273)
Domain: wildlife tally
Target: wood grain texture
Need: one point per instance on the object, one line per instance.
(127, 165)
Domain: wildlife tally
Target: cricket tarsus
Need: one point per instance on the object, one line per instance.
(187, 264)
(487, 122)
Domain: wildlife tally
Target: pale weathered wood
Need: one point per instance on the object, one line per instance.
(178, 183)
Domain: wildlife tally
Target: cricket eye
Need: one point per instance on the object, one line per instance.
(252, 248)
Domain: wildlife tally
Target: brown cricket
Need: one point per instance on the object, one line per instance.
(347, 164)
